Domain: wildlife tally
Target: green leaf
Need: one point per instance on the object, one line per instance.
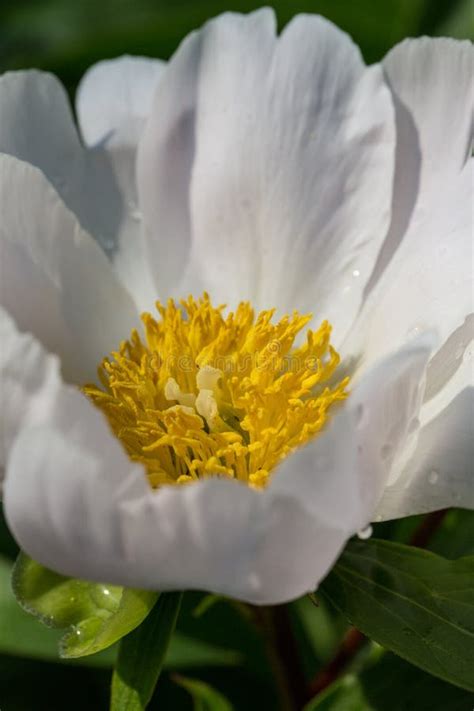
(94, 615)
(141, 656)
(204, 696)
(410, 601)
(22, 635)
(391, 685)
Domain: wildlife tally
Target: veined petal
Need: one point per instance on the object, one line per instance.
(421, 74)
(77, 504)
(47, 138)
(436, 471)
(97, 186)
(272, 160)
(439, 472)
(431, 83)
(428, 283)
(423, 278)
(29, 377)
(114, 100)
(56, 282)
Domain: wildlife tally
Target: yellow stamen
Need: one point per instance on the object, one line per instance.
(212, 395)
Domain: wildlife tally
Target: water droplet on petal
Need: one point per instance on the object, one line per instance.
(136, 215)
(356, 273)
(254, 581)
(365, 533)
(433, 476)
(413, 332)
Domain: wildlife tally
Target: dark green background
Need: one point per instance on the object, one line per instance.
(65, 37)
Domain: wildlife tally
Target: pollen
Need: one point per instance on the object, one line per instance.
(203, 393)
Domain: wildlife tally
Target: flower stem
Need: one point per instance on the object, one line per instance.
(427, 528)
(283, 656)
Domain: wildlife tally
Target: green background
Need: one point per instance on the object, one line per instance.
(65, 37)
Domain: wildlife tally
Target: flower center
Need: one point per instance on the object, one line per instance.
(208, 394)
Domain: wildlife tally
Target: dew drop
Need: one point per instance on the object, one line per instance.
(254, 581)
(413, 332)
(433, 476)
(365, 533)
(356, 273)
(136, 215)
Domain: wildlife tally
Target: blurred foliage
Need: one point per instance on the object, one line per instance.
(66, 36)
(391, 684)
(220, 647)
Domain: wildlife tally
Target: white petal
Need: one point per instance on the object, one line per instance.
(28, 376)
(374, 423)
(438, 472)
(55, 280)
(424, 276)
(114, 99)
(428, 283)
(77, 504)
(271, 158)
(47, 138)
(431, 82)
(97, 186)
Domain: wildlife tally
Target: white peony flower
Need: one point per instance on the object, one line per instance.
(277, 170)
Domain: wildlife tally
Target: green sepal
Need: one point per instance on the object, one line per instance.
(93, 615)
